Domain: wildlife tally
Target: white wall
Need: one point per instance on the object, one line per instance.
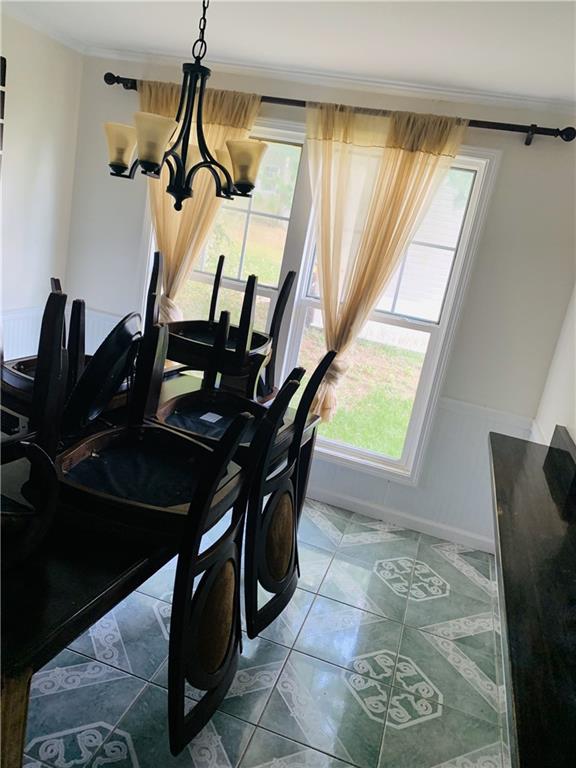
(558, 402)
(42, 103)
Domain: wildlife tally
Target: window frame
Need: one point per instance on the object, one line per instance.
(408, 468)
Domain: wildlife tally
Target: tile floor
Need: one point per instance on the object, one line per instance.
(387, 657)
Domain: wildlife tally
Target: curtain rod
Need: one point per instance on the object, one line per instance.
(566, 134)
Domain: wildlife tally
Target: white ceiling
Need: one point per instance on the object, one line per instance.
(520, 49)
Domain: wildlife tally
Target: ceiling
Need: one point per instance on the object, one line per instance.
(518, 49)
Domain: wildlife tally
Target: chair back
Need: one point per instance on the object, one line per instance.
(216, 288)
(205, 634)
(271, 556)
(152, 311)
(76, 343)
(49, 389)
(109, 366)
(246, 324)
(275, 328)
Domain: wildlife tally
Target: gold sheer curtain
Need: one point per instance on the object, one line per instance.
(180, 235)
(373, 176)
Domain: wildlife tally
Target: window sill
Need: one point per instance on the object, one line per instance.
(364, 462)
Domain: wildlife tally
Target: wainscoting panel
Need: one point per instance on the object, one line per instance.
(21, 330)
(453, 498)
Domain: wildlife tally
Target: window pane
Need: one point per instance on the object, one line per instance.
(424, 282)
(194, 301)
(376, 396)
(276, 179)
(226, 237)
(264, 249)
(442, 223)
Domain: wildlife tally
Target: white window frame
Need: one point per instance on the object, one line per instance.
(408, 467)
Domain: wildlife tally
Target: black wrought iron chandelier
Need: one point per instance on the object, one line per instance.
(163, 140)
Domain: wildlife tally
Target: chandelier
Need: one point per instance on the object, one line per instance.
(166, 141)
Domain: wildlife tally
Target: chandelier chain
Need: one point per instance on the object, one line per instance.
(199, 48)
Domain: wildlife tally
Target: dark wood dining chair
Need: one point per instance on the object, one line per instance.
(266, 383)
(18, 374)
(205, 634)
(275, 504)
(29, 482)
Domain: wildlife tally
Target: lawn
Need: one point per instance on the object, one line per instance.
(375, 396)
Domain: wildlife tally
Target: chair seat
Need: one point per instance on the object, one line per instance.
(207, 414)
(204, 332)
(142, 476)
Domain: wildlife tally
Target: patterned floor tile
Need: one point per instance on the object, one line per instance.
(437, 669)
(328, 708)
(377, 541)
(360, 641)
(141, 739)
(161, 585)
(30, 762)
(322, 525)
(436, 736)
(447, 613)
(258, 669)
(381, 586)
(455, 570)
(285, 628)
(268, 750)
(132, 637)
(314, 563)
(75, 704)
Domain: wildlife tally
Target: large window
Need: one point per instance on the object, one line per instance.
(386, 398)
(251, 233)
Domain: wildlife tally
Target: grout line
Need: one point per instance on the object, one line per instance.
(308, 746)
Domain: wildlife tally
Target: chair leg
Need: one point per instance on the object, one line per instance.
(15, 692)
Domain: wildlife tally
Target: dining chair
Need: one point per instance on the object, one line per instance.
(205, 633)
(274, 507)
(29, 482)
(266, 388)
(18, 374)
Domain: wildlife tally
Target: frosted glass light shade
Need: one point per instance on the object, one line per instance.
(152, 133)
(246, 157)
(121, 142)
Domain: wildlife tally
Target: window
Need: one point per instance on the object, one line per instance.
(387, 398)
(395, 364)
(251, 233)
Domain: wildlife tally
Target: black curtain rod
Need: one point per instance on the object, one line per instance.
(566, 134)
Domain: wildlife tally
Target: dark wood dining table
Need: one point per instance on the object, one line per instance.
(75, 578)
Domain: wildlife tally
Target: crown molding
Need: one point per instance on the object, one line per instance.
(346, 81)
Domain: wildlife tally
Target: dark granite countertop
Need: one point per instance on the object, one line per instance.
(535, 506)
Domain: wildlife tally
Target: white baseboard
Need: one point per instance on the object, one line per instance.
(452, 498)
(404, 519)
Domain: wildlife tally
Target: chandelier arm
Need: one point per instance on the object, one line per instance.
(183, 137)
(183, 92)
(202, 146)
